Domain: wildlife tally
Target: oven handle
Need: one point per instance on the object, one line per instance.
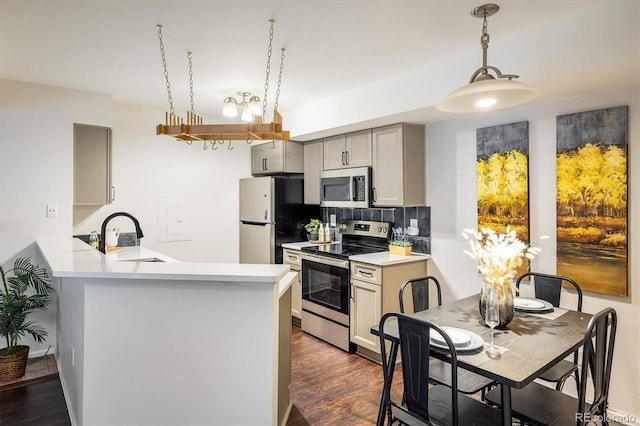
(326, 261)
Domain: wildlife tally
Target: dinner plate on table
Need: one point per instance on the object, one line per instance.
(524, 304)
(463, 340)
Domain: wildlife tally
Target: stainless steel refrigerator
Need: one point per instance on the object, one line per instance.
(272, 212)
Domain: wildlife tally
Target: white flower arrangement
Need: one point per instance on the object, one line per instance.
(497, 255)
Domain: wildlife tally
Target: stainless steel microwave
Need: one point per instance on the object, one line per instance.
(346, 187)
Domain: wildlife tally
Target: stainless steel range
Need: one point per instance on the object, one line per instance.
(326, 287)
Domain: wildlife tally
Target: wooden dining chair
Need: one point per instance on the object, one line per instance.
(468, 382)
(540, 405)
(549, 287)
(424, 404)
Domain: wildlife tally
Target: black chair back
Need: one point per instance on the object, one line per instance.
(414, 349)
(599, 340)
(420, 293)
(548, 287)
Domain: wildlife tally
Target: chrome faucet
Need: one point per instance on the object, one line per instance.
(103, 230)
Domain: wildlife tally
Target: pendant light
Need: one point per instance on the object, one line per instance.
(486, 92)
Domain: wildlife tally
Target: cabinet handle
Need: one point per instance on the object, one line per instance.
(366, 274)
(346, 155)
(113, 193)
(343, 163)
(373, 194)
(264, 164)
(293, 258)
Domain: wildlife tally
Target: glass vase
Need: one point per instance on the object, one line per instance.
(504, 294)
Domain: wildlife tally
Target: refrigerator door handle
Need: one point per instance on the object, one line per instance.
(247, 222)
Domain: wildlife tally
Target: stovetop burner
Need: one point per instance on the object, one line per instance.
(358, 237)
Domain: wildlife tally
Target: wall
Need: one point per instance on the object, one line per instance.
(151, 174)
(160, 180)
(451, 193)
(36, 148)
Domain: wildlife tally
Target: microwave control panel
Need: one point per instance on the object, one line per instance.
(359, 183)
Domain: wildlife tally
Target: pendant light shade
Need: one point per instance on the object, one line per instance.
(488, 95)
(486, 92)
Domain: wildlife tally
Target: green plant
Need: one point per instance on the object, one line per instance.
(313, 226)
(400, 238)
(16, 304)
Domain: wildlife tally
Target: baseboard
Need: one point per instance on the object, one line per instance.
(65, 393)
(624, 418)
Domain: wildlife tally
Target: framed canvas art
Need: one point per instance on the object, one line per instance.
(502, 168)
(591, 203)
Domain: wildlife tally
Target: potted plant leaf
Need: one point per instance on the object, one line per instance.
(313, 229)
(26, 288)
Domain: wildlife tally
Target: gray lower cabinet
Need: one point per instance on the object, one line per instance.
(92, 165)
(277, 157)
(399, 166)
(294, 260)
(374, 292)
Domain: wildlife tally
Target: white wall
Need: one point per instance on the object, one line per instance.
(151, 172)
(36, 150)
(451, 193)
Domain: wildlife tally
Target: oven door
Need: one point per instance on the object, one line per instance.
(325, 287)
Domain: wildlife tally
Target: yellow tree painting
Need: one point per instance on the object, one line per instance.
(502, 168)
(591, 177)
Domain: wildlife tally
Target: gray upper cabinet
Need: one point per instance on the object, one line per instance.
(313, 153)
(350, 150)
(92, 165)
(277, 157)
(399, 172)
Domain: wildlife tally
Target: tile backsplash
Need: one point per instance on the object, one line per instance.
(398, 216)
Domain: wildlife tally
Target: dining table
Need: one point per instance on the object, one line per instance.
(529, 345)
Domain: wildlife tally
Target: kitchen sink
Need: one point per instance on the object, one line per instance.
(144, 259)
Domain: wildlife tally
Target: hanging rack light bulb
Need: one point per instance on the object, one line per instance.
(486, 92)
(250, 106)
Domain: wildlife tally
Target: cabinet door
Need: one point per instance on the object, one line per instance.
(91, 165)
(335, 153)
(313, 154)
(366, 302)
(358, 147)
(275, 156)
(388, 167)
(258, 159)
(294, 260)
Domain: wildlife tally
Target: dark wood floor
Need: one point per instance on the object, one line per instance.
(35, 404)
(331, 387)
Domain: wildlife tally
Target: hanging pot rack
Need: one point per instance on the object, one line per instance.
(193, 128)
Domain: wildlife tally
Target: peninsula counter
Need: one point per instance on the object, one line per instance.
(144, 339)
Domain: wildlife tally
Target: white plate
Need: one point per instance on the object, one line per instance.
(531, 305)
(476, 341)
(460, 338)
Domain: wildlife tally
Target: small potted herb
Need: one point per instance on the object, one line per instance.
(313, 229)
(400, 243)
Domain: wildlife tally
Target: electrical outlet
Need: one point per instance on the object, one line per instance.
(413, 223)
(52, 211)
(332, 220)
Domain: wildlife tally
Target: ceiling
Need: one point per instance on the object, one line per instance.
(348, 62)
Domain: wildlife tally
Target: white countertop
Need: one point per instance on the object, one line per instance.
(301, 244)
(380, 259)
(71, 257)
(384, 258)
